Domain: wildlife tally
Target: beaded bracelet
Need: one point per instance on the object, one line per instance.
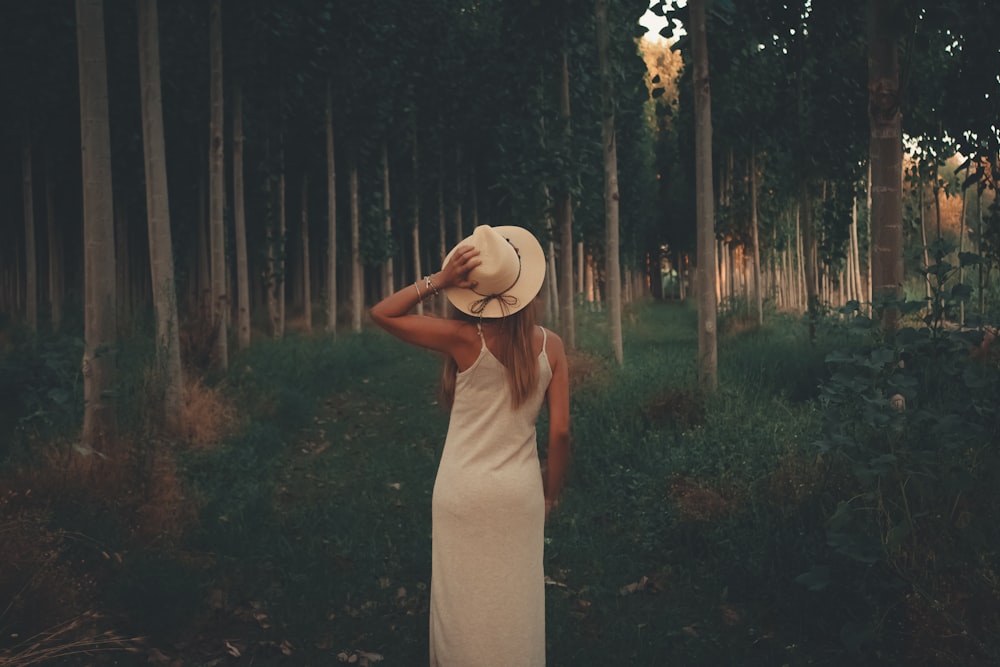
(429, 284)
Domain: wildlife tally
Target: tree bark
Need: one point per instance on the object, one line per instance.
(886, 158)
(611, 196)
(216, 192)
(757, 283)
(331, 218)
(357, 277)
(388, 272)
(55, 251)
(417, 268)
(98, 226)
(240, 226)
(281, 279)
(30, 250)
(306, 277)
(704, 203)
(161, 256)
(564, 222)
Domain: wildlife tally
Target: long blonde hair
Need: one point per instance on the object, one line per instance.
(514, 350)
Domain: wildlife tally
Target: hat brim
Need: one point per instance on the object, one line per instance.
(528, 284)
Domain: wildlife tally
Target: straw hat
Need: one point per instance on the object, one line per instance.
(510, 276)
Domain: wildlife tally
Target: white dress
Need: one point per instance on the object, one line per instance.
(488, 509)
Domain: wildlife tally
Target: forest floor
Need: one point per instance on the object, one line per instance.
(303, 538)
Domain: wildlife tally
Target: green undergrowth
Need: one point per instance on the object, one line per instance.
(687, 525)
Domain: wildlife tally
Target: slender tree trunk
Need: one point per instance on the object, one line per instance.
(307, 314)
(357, 277)
(564, 221)
(417, 268)
(55, 250)
(331, 218)
(158, 219)
(459, 234)
(886, 158)
(272, 281)
(923, 236)
(282, 263)
(758, 287)
(442, 229)
(216, 192)
(856, 254)
(704, 202)
(579, 269)
(240, 226)
(979, 249)
(30, 250)
(610, 150)
(98, 226)
(388, 274)
(961, 249)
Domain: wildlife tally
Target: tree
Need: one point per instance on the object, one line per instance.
(168, 355)
(886, 158)
(240, 226)
(216, 192)
(98, 226)
(610, 152)
(30, 254)
(708, 359)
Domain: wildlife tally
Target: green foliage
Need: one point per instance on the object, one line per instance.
(41, 389)
(914, 419)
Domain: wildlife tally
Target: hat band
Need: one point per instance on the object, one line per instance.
(478, 306)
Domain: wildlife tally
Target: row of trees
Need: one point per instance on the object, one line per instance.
(283, 128)
(809, 106)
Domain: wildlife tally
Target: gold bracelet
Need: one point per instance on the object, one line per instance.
(420, 297)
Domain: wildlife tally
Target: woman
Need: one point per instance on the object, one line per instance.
(490, 502)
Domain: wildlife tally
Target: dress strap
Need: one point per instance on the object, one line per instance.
(545, 337)
(479, 329)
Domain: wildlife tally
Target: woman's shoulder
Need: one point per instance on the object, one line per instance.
(553, 342)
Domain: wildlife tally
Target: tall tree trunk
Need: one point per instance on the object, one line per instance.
(331, 218)
(388, 273)
(704, 203)
(98, 226)
(886, 158)
(272, 282)
(459, 233)
(610, 151)
(564, 221)
(961, 249)
(216, 192)
(307, 313)
(55, 250)
(282, 259)
(30, 251)
(357, 277)
(442, 304)
(757, 282)
(415, 158)
(579, 269)
(808, 257)
(161, 258)
(923, 236)
(240, 226)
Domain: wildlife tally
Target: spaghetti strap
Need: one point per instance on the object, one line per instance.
(545, 337)
(479, 329)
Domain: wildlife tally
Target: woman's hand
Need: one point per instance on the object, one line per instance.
(456, 272)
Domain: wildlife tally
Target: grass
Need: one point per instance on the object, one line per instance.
(305, 536)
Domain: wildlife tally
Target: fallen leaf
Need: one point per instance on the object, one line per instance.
(232, 650)
(634, 587)
(396, 485)
(286, 647)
